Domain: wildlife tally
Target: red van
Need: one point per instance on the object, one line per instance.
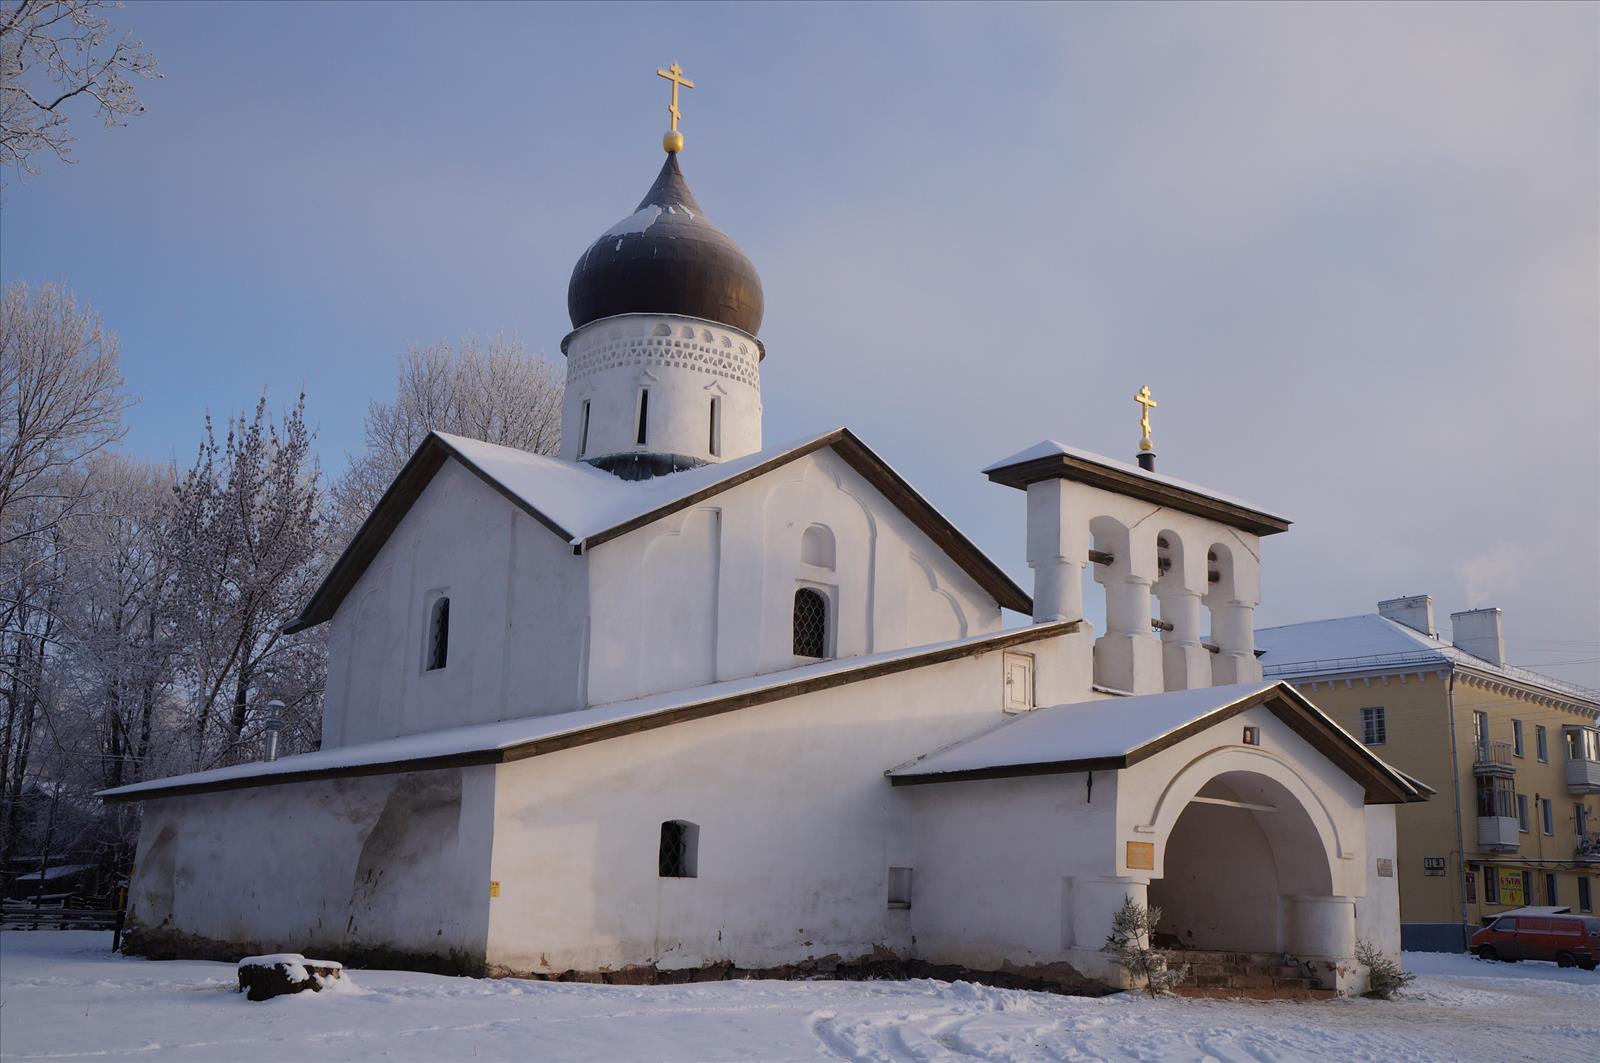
(1570, 940)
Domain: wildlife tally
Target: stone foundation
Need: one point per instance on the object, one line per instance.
(162, 943)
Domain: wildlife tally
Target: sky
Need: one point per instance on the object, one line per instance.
(1354, 250)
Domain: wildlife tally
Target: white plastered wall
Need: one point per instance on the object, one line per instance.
(1378, 912)
(708, 593)
(397, 862)
(517, 606)
(797, 829)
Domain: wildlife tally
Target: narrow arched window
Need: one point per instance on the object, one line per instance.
(715, 444)
(810, 623)
(680, 849)
(439, 634)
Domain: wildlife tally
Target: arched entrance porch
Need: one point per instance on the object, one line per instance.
(1244, 868)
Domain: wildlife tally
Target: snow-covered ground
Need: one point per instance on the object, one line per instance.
(64, 996)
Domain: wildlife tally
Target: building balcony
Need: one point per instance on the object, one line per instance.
(1494, 758)
(1498, 834)
(1588, 851)
(1583, 776)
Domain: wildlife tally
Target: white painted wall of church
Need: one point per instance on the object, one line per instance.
(392, 861)
(517, 609)
(708, 594)
(1378, 912)
(798, 828)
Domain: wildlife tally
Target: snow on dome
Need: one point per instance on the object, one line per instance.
(666, 258)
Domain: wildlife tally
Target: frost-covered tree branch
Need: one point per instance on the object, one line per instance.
(491, 390)
(52, 52)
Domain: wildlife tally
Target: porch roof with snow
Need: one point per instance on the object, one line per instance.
(1119, 732)
(1051, 460)
(511, 740)
(587, 507)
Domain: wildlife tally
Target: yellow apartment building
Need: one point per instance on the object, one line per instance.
(1513, 754)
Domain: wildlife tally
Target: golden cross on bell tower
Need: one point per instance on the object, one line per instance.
(1144, 399)
(673, 141)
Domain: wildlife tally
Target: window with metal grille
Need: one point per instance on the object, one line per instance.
(1374, 727)
(680, 842)
(810, 623)
(439, 634)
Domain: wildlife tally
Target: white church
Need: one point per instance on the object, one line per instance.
(679, 704)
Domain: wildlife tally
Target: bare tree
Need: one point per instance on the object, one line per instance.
(54, 53)
(247, 537)
(60, 401)
(490, 390)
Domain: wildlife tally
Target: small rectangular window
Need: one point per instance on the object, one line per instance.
(438, 634)
(899, 887)
(1516, 737)
(1491, 885)
(680, 849)
(643, 435)
(1252, 736)
(1547, 817)
(1541, 741)
(1480, 733)
(1585, 898)
(1374, 727)
(583, 430)
(1550, 889)
(1522, 813)
(715, 445)
(1580, 817)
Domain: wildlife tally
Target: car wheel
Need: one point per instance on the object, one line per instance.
(1486, 952)
(1565, 959)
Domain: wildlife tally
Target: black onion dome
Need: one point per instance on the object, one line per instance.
(666, 258)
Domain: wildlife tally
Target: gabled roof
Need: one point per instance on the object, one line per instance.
(588, 507)
(1115, 733)
(1052, 460)
(1377, 645)
(509, 740)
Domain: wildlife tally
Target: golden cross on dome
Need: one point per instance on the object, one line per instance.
(674, 74)
(1143, 399)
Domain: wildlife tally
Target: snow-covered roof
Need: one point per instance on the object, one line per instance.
(1052, 458)
(515, 739)
(1375, 644)
(1118, 732)
(586, 506)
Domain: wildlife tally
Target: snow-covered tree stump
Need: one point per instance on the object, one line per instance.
(264, 977)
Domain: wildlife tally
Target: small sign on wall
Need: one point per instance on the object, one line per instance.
(1385, 867)
(1433, 865)
(494, 887)
(1141, 856)
(1510, 880)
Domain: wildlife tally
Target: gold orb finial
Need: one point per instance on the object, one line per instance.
(672, 141)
